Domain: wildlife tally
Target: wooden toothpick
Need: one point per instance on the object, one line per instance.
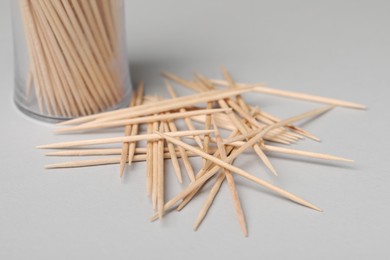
(135, 138)
(296, 95)
(106, 161)
(232, 168)
(140, 120)
(158, 107)
(135, 127)
(125, 146)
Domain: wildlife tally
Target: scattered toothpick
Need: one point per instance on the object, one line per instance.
(248, 129)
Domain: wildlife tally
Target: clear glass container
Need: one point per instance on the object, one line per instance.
(70, 57)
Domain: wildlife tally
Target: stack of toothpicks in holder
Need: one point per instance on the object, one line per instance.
(77, 59)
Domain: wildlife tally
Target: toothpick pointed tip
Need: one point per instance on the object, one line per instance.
(122, 171)
(311, 206)
(359, 106)
(345, 160)
(45, 146)
(153, 218)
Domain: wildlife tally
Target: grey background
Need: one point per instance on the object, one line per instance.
(332, 48)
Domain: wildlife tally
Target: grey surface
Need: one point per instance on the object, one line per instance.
(333, 48)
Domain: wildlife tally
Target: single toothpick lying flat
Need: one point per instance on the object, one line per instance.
(149, 161)
(305, 153)
(135, 127)
(186, 161)
(140, 120)
(295, 95)
(106, 161)
(172, 152)
(160, 177)
(125, 146)
(135, 138)
(158, 107)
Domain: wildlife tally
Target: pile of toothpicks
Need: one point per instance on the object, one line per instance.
(245, 127)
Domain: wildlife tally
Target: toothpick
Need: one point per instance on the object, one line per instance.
(69, 74)
(160, 177)
(135, 127)
(135, 138)
(158, 107)
(155, 169)
(125, 146)
(187, 120)
(206, 138)
(261, 132)
(230, 167)
(185, 160)
(179, 80)
(305, 153)
(209, 166)
(140, 120)
(149, 161)
(296, 95)
(92, 152)
(71, 54)
(210, 198)
(232, 185)
(244, 131)
(172, 152)
(241, 127)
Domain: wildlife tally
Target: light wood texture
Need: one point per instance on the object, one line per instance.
(147, 137)
(106, 161)
(135, 127)
(230, 167)
(232, 185)
(157, 107)
(140, 120)
(187, 120)
(172, 152)
(125, 145)
(160, 175)
(70, 70)
(295, 95)
(261, 132)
